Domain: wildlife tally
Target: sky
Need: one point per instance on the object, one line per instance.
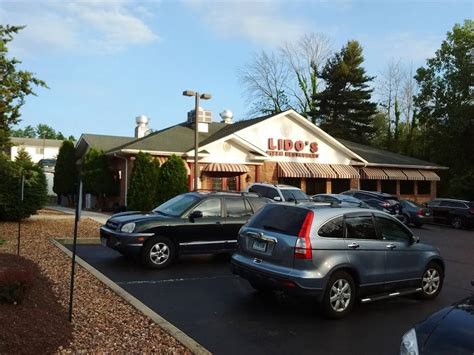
(106, 62)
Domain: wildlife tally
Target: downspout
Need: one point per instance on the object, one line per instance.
(126, 176)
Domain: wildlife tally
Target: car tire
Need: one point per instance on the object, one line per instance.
(158, 253)
(457, 222)
(339, 295)
(432, 281)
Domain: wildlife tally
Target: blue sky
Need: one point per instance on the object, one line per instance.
(107, 62)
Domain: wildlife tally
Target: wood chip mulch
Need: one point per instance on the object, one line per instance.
(102, 321)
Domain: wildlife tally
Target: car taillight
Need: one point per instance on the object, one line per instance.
(303, 242)
(420, 212)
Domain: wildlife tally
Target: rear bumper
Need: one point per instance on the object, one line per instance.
(129, 243)
(247, 269)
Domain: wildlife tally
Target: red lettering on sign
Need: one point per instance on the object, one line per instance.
(313, 147)
(299, 146)
(280, 144)
(288, 144)
(271, 146)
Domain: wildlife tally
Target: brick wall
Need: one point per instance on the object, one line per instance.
(269, 172)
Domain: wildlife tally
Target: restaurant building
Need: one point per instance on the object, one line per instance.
(281, 148)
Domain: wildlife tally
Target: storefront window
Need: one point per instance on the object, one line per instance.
(340, 185)
(368, 185)
(232, 183)
(424, 187)
(315, 186)
(389, 186)
(217, 183)
(407, 187)
(290, 181)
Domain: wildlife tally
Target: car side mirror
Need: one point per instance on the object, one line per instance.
(194, 215)
(415, 239)
(277, 198)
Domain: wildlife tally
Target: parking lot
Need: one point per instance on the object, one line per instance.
(199, 295)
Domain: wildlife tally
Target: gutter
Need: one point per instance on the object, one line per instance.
(126, 176)
(408, 166)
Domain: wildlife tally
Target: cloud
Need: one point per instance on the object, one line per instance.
(91, 26)
(262, 21)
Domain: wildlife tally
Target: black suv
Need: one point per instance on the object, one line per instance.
(379, 200)
(190, 223)
(458, 213)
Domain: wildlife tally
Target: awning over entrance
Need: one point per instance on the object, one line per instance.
(373, 174)
(430, 175)
(321, 171)
(293, 170)
(226, 168)
(345, 171)
(413, 174)
(395, 174)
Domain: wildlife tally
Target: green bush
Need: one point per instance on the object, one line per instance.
(65, 171)
(35, 191)
(13, 285)
(173, 179)
(144, 183)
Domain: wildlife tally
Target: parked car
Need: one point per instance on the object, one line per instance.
(414, 213)
(341, 200)
(448, 331)
(283, 193)
(336, 255)
(190, 223)
(458, 213)
(379, 200)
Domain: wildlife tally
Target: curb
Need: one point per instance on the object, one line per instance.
(184, 339)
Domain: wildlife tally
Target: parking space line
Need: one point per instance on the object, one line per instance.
(147, 282)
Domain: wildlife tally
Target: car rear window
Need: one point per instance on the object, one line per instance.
(279, 218)
(257, 203)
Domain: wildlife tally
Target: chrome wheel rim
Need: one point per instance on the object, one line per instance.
(431, 281)
(340, 295)
(159, 253)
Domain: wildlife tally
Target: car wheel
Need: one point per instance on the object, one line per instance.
(432, 281)
(339, 295)
(457, 222)
(158, 253)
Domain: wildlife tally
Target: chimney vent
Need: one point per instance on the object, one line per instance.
(227, 116)
(141, 130)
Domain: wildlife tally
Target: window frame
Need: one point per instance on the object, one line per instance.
(328, 221)
(361, 214)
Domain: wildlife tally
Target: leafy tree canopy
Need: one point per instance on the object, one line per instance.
(65, 171)
(144, 183)
(40, 131)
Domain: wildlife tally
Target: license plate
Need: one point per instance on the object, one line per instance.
(259, 245)
(103, 241)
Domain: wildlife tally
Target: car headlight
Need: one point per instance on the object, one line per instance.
(409, 345)
(128, 227)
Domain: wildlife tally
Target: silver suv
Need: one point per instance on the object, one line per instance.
(282, 193)
(335, 254)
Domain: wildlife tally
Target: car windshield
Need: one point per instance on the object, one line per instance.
(294, 194)
(348, 199)
(176, 206)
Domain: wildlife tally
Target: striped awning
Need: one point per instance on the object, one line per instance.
(373, 174)
(413, 174)
(321, 171)
(430, 175)
(345, 171)
(394, 174)
(293, 170)
(226, 168)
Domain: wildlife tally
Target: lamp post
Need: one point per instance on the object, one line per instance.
(196, 133)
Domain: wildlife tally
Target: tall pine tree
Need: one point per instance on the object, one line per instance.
(144, 183)
(344, 109)
(65, 171)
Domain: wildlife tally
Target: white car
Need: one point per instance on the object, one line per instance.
(282, 193)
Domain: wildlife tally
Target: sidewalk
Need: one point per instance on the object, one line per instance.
(96, 216)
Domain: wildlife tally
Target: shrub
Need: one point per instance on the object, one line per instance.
(13, 285)
(65, 172)
(173, 178)
(144, 183)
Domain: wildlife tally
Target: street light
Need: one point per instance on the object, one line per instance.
(196, 133)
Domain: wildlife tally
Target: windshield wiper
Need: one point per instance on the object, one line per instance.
(276, 229)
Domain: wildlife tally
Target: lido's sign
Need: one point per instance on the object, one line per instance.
(290, 148)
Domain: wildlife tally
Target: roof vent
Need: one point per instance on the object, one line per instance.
(141, 130)
(227, 116)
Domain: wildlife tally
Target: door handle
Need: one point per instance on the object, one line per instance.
(353, 245)
(391, 246)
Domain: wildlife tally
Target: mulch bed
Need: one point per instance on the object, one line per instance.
(102, 321)
(37, 325)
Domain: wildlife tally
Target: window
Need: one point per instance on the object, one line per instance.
(333, 229)
(236, 207)
(407, 187)
(39, 150)
(257, 203)
(453, 204)
(424, 187)
(293, 194)
(269, 192)
(232, 183)
(315, 186)
(217, 183)
(360, 227)
(362, 196)
(290, 181)
(176, 206)
(280, 218)
(210, 207)
(368, 185)
(389, 186)
(391, 230)
(340, 185)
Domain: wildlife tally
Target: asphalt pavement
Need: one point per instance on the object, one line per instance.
(200, 296)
